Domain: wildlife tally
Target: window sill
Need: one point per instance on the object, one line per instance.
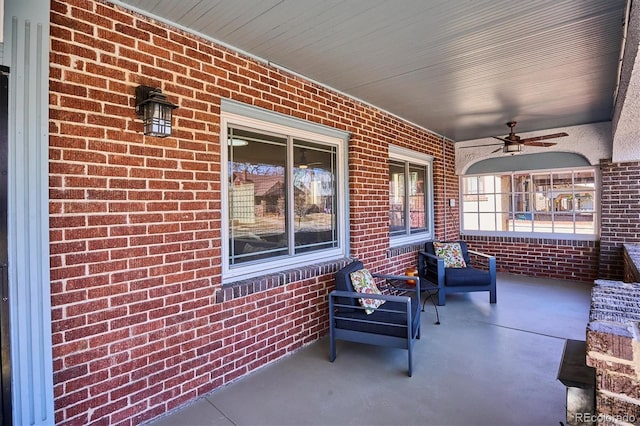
(531, 235)
(242, 288)
(406, 248)
(407, 240)
(531, 239)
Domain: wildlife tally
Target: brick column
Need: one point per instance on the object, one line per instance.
(613, 349)
(620, 198)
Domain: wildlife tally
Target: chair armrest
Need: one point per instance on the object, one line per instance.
(415, 288)
(354, 295)
(393, 277)
(477, 253)
(401, 304)
(491, 260)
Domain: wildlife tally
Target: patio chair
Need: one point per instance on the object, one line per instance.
(366, 316)
(449, 266)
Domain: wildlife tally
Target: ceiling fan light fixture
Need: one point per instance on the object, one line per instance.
(512, 149)
(237, 142)
(303, 160)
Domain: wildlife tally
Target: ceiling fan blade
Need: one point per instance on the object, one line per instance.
(497, 150)
(544, 137)
(478, 146)
(535, 143)
(502, 139)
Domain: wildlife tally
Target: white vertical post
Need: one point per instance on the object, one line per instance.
(26, 53)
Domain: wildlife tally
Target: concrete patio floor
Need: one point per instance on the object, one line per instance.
(484, 365)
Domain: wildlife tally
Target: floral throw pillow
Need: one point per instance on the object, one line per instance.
(363, 282)
(451, 253)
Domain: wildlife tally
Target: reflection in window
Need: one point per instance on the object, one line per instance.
(282, 196)
(396, 198)
(314, 196)
(408, 198)
(560, 202)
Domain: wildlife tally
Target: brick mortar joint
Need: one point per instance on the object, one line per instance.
(609, 358)
(620, 396)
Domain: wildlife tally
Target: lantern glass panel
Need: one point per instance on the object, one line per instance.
(157, 119)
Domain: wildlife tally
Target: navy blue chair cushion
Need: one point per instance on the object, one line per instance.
(462, 277)
(469, 276)
(343, 282)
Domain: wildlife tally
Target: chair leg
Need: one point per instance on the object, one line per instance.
(492, 296)
(430, 296)
(441, 297)
(410, 359)
(332, 331)
(332, 347)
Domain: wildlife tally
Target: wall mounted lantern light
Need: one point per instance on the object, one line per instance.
(155, 111)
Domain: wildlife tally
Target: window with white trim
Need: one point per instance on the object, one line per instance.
(283, 197)
(410, 196)
(541, 202)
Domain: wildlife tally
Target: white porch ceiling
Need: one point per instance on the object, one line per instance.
(461, 68)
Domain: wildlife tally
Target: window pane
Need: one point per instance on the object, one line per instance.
(257, 198)
(541, 203)
(472, 203)
(520, 202)
(417, 202)
(584, 201)
(542, 222)
(408, 203)
(314, 177)
(541, 183)
(503, 221)
(471, 221)
(523, 221)
(396, 198)
(488, 222)
(499, 184)
(584, 179)
(563, 222)
(488, 204)
(562, 192)
(522, 183)
(584, 189)
(585, 223)
(473, 185)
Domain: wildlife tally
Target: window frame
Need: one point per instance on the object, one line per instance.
(408, 157)
(267, 122)
(595, 236)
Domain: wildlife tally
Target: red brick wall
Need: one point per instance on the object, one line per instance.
(141, 322)
(613, 349)
(447, 226)
(620, 200)
(561, 259)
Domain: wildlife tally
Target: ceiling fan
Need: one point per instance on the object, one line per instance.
(513, 143)
(304, 163)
